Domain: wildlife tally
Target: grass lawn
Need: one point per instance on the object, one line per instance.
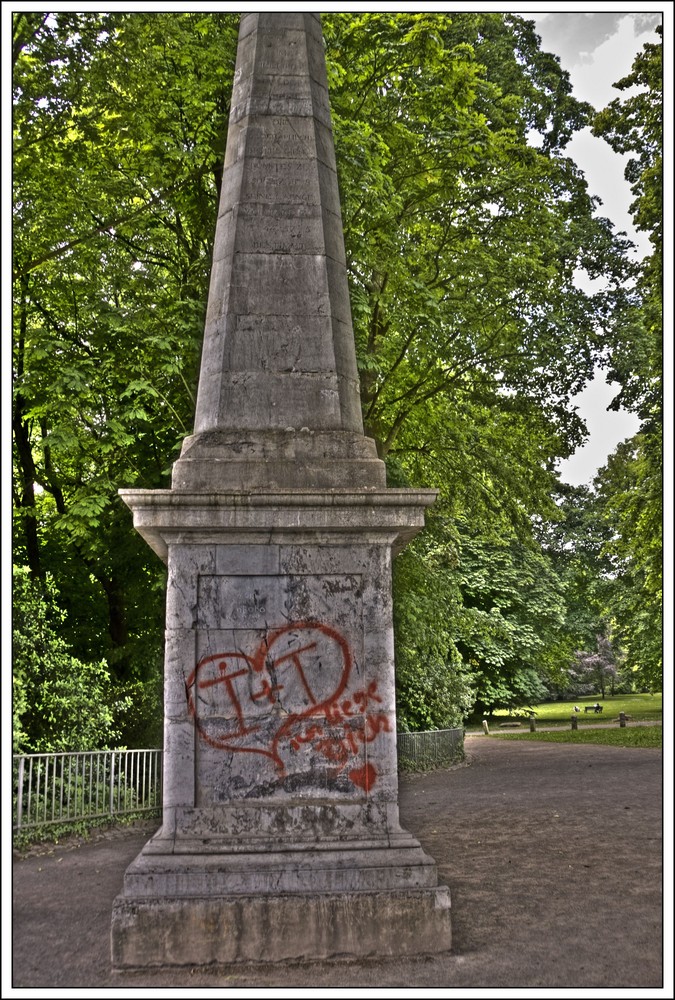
(636, 736)
(643, 707)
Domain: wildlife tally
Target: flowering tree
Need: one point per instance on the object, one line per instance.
(593, 671)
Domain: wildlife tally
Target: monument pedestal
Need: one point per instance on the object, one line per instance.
(224, 930)
(281, 837)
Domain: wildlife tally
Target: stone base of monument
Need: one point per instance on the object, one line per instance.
(291, 906)
(280, 838)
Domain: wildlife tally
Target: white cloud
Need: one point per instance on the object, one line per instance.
(576, 35)
(595, 76)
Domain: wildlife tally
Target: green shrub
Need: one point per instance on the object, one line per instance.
(59, 702)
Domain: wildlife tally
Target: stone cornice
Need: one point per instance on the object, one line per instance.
(163, 517)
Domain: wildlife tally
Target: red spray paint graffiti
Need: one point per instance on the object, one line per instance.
(289, 693)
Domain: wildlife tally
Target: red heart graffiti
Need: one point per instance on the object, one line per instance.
(260, 677)
(364, 777)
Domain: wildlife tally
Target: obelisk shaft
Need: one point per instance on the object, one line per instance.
(278, 365)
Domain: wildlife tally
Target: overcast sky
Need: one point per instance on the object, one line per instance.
(597, 49)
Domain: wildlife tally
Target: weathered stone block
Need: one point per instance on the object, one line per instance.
(180, 651)
(279, 928)
(248, 560)
(189, 562)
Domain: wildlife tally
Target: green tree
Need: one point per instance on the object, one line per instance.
(574, 542)
(433, 688)
(625, 489)
(634, 127)
(465, 222)
(463, 236)
(119, 124)
(630, 487)
(59, 703)
(511, 626)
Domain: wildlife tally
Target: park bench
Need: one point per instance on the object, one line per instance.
(593, 708)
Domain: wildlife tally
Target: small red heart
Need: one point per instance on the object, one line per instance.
(364, 777)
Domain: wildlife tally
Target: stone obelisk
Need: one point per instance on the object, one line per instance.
(280, 837)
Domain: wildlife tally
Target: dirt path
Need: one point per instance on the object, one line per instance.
(552, 853)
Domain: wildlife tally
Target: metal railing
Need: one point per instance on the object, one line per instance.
(428, 750)
(61, 788)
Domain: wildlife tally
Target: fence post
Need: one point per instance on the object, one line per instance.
(622, 720)
(112, 783)
(19, 794)
(485, 727)
(574, 722)
(533, 723)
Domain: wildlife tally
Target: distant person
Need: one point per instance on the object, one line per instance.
(576, 708)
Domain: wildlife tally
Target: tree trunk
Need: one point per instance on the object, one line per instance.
(118, 627)
(24, 452)
(27, 494)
